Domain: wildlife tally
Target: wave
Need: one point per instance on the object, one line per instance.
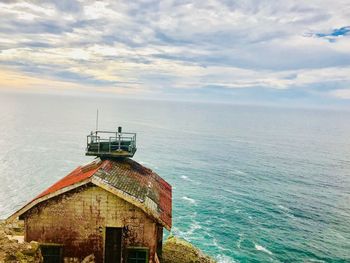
(263, 249)
(239, 172)
(218, 246)
(151, 165)
(225, 259)
(286, 211)
(186, 178)
(190, 200)
(193, 227)
(283, 208)
(187, 235)
(314, 260)
(239, 240)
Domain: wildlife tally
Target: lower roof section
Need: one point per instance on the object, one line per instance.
(126, 179)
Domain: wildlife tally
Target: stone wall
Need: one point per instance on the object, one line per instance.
(77, 220)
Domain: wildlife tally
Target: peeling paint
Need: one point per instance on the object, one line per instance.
(78, 219)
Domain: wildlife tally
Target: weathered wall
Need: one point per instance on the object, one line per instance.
(78, 219)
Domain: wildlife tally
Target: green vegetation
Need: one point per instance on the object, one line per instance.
(176, 250)
(11, 251)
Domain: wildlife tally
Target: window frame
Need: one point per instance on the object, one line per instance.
(145, 249)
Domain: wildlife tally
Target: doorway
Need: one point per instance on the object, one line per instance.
(113, 245)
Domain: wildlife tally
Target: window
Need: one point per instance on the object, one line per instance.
(52, 253)
(137, 255)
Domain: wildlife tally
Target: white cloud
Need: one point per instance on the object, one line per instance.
(149, 45)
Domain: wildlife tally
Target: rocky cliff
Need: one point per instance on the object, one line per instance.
(176, 250)
(12, 249)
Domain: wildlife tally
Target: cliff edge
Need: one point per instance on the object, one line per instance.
(176, 250)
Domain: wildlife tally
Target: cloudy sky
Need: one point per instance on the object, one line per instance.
(246, 51)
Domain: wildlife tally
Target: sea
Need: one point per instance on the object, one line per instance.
(250, 183)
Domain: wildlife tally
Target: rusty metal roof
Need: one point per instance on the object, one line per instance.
(139, 182)
(125, 178)
(81, 173)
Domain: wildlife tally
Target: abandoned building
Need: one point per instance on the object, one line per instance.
(113, 208)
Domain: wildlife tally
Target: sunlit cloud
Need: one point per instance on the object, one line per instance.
(341, 93)
(156, 48)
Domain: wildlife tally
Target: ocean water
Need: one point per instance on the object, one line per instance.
(250, 184)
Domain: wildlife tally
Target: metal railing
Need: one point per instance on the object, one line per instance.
(107, 142)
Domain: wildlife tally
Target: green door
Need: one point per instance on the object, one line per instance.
(113, 245)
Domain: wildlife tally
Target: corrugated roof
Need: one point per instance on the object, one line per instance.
(125, 178)
(76, 176)
(139, 182)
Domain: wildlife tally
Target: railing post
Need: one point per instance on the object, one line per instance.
(119, 142)
(98, 148)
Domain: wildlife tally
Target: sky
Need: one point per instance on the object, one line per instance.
(247, 51)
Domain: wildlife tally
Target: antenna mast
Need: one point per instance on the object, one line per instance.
(97, 120)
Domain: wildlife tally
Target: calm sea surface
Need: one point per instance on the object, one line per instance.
(250, 184)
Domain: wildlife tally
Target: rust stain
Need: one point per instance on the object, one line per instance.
(77, 218)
